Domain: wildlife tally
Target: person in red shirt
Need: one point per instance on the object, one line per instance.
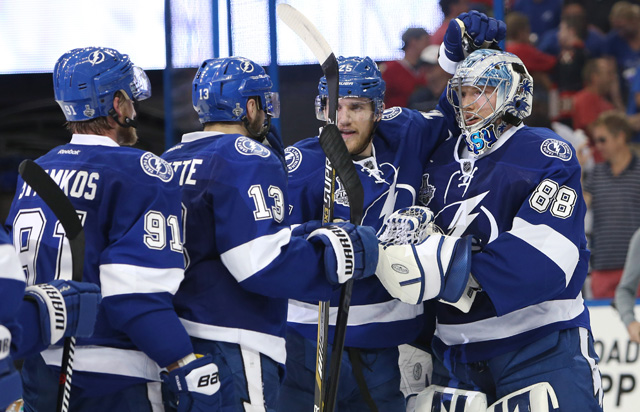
(405, 76)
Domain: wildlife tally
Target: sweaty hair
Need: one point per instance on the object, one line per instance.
(615, 122)
(98, 126)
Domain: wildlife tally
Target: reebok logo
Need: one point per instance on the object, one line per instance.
(69, 151)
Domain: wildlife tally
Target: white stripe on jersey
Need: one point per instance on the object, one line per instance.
(100, 359)
(10, 264)
(511, 324)
(249, 258)
(120, 279)
(390, 311)
(271, 346)
(551, 243)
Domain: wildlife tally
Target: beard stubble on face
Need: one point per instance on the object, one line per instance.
(127, 136)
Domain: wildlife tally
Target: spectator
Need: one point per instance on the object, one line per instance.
(612, 192)
(571, 60)
(623, 42)
(404, 76)
(633, 106)
(451, 9)
(544, 15)
(628, 289)
(426, 98)
(598, 95)
(594, 42)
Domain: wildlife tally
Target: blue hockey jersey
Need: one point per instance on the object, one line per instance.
(129, 203)
(242, 261)
(522, 203)
(392, 178)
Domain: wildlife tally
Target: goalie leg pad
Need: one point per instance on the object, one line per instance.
(441, 399)
(438, 267)
(539, 397)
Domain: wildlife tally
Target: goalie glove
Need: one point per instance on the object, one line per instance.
(350, 251)
(409, 225)
(195, 384)
(466, 34)
(66, 308)
(438, 267)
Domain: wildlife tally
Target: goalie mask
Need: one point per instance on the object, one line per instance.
(490, 90)
(222, 87)
(85, 81)
(359, 77)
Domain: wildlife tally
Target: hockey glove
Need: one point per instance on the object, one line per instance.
(466, 34)
(438, 267)
(350, 251)
(66, 308)
(196, 385)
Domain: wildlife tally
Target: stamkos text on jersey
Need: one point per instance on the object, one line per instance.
(75, 183)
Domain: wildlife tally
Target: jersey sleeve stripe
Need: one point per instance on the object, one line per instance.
(511, 324)
(121, 279)
(249, 258)
(390, 311)
(11, 267)
(549, 242)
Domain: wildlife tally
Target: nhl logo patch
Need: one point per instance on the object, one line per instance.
(156, 167)
(391, 113)
(293, 158)
(556, 148)
(250, 147)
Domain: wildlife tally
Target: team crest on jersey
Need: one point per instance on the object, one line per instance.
(556, 148)
(293, 158)
(156, 167)
(391, 113)
(250, 147)
(426, 190)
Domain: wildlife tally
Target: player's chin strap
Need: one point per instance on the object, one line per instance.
(128, 122)
(539, 397)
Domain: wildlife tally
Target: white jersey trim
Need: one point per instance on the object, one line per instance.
(101, 359)
(121, 279)
(249, 258)
(10, 264)
(270, 345)
(549, 242)
(511, 324)
(385, 312)
(93, 140)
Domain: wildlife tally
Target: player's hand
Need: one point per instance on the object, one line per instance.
(470, 32)
(66, 308)
(195, 385)
(350, 251)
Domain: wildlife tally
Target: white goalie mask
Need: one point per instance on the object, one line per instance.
(498, 79)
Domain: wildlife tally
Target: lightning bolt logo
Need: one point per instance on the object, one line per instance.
(465, 215)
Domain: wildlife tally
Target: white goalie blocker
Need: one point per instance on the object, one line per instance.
(417, 262)
(539, 397)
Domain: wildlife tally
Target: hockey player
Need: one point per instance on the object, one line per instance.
(526, 339)
(30, 325)
(243, 261)
(389, 149)
(129, 204)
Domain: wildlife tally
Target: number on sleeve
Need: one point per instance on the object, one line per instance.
(155, 226)
(263, 211)
(560, 199)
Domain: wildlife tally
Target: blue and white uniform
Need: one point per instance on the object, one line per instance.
(128, 201)
(12, 290)
(522, 203)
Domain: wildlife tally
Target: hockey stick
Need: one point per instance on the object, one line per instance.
(61, 206)
(338, 161)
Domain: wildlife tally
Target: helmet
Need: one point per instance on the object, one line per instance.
(513, 90)
(359, 77)
(85, 81)
(222, 87)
